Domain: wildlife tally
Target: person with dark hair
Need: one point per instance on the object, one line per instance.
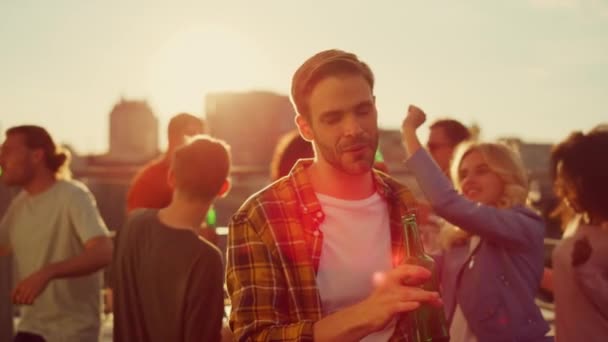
(149, 188)
(580, 261)
(290, 148)
(168, 283)
(318, 255)
(444, 136)
(57, 238)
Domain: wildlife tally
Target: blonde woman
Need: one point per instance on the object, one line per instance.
(492, 264)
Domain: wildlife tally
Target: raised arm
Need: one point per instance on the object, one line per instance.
(518, 227)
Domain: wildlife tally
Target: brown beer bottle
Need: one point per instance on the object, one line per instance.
(429, 323)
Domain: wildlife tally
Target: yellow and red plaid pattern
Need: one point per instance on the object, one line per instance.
(273, 252)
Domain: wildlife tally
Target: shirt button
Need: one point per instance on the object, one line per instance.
(471, 263)
(319, 214)
(304, 209)
(315, 233)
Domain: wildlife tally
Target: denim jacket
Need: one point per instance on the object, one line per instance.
(494, 283)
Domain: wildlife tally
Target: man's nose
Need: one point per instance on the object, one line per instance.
(353, 126)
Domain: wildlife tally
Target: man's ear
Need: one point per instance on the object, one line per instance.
(224, 189)
(37, 156)
(304, 128)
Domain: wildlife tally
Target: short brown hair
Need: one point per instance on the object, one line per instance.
(178, 123)
(56, 158)
(201, 166)
(320, 66)
(455, 131)
(583, 160)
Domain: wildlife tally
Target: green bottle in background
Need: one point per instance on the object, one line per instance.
(428, 322)
(379, 157)
(211, 218)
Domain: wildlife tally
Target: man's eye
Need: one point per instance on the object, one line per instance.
(332, 119)
(363, 110)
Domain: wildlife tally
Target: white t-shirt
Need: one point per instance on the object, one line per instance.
(49, 227)
(356, 244)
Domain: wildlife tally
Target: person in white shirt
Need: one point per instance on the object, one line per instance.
(57, 238)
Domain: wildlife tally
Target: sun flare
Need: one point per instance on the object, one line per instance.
(196, 61)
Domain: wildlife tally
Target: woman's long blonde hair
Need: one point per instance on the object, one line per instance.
(503, 161)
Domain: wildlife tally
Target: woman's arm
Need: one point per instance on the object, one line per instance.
(518, 227)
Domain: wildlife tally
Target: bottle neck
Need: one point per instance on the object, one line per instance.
(413, 243)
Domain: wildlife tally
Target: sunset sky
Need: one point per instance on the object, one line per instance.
(536, 69)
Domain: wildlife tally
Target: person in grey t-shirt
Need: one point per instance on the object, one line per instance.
(168, 282)
(58, 240)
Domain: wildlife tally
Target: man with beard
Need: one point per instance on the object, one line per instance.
(317, 255)
(57, 238)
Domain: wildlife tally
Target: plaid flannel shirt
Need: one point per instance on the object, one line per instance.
(273, 252)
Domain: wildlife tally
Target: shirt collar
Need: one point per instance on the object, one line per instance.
(308, 201)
